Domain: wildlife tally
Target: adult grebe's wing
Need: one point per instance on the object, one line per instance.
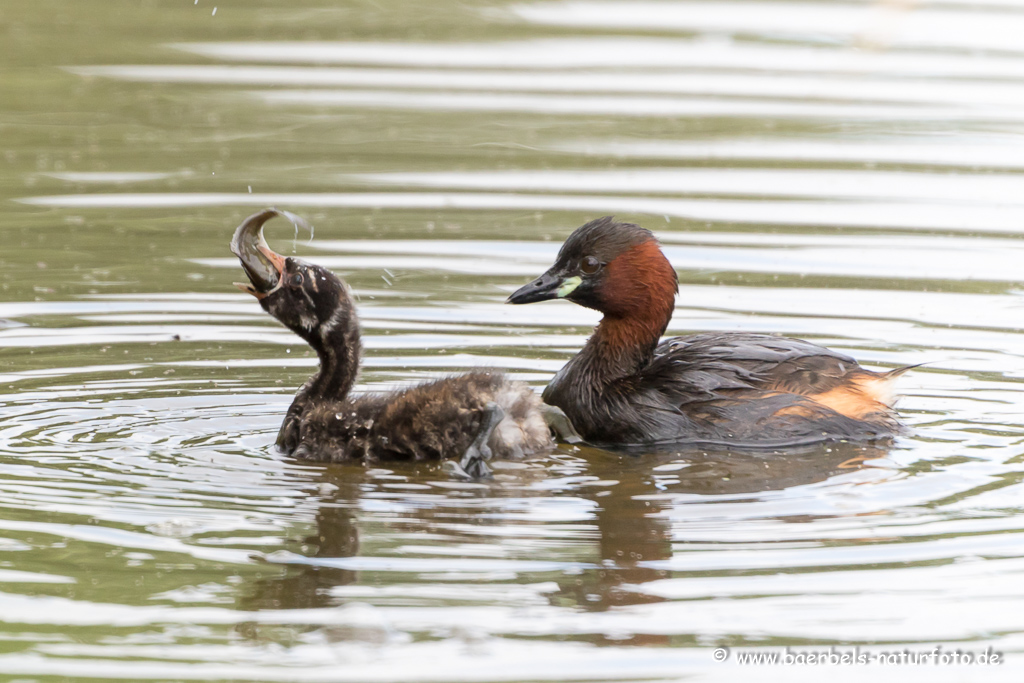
(757, 387)
(754, 361)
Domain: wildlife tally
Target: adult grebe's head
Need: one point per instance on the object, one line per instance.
(306, 298)
(616, 268)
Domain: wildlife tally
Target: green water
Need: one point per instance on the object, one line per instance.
(846, 173)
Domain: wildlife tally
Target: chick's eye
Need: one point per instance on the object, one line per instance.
(590, 265)
(295, 280)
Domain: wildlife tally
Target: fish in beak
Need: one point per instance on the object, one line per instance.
(261, 264)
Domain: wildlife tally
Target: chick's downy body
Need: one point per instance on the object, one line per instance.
(431, 421)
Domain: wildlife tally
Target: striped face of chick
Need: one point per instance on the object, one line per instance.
(309, 300)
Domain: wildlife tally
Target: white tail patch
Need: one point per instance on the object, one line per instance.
(881, 389)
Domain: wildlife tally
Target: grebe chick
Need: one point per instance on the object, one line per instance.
(729, 389)
(472, 416)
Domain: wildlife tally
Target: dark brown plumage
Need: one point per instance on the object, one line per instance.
(735, 389)
(472, 416)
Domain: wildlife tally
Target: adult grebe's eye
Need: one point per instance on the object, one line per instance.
(590, 265)
(295, 280)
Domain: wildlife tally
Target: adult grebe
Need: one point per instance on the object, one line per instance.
(728, 388)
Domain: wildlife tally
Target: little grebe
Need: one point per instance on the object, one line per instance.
(735, 389)
(472, 416)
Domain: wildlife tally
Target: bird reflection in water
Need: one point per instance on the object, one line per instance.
(632, 516)
(629, 527)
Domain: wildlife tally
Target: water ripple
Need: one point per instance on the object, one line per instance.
(843, 172)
